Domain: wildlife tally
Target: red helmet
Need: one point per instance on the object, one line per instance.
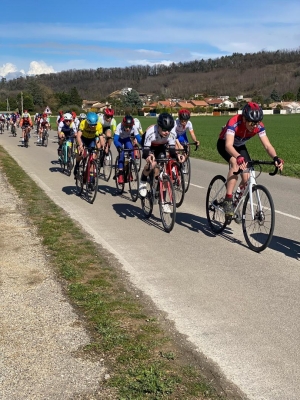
(252, 112)
(184, 114)
(109, 112)
(45, 115)
(128, 121)
(73, 114)
(60, 112)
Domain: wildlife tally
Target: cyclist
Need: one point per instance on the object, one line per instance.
(81, 117)
(89, 130)
(25, 123)
(76, 120)
(231, 146)
(182, 125)
(125, 130)
(66, 128)
(43, 124)
(13, 119)
(2, 121)
(109, 125)
(60, 117)
(157, 137)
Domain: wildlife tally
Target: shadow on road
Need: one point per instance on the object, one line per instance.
(288, 247)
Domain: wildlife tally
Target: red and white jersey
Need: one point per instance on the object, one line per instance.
(153, 138)
(237, 128)
(123, 134)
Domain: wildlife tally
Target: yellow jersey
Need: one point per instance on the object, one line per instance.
(88, 132)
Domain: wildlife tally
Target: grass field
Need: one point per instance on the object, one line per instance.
(282, 130)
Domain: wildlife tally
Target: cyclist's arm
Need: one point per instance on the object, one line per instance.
(229, 145)
(267, 145)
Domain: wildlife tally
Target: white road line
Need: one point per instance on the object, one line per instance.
(200, 187)
(287, 215)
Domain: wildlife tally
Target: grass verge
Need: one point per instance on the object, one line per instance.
(143, 361)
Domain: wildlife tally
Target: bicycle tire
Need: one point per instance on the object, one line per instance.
(134, 180)
(119, 186)
(137, 151)
(215, 196)
(147, 202)
(79, 179)
(107, 161)
(258, 232)
(91, 188)
(45, 139)
(179, 185)
(187, 174)
(167, 197)
(69, 165)
(25, 139)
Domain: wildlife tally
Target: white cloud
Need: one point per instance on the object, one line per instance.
(151, 63)
(39, 67)
(7, 69)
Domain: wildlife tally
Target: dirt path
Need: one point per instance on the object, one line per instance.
(40, 334)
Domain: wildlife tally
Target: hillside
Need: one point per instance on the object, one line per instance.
(246, 74)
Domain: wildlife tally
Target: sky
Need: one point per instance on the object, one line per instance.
(61, 35)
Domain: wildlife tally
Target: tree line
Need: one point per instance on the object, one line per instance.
(263, 75)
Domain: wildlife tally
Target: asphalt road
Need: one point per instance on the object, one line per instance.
(239, 308)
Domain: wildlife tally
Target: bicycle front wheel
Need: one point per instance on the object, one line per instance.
(179, 186)
(186, 166)
(134, 180)
(119, 186)
(92, 183)
(79, 179)
(258, 228)
(137, 156)
(107, 165)
(215, 196)
(167, 203)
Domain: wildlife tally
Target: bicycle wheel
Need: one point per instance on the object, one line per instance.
(137, 151)
(134, 180)
(79, 179)
(179, 184)
(70, 161)
(91, 184)
(215, 196)
(45, 139)
(186, 169)
(147, 202)
(26, 139)
(258, 230)
(119, 186)
(167, 202)
(107, 165)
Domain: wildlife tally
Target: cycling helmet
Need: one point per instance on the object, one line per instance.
(109, 112)
(82, 116)
(92, 118)
(60, 112)
(128, 121)
(252, 112)
(74, 114)
(165, 121)
(45, 115)
(184, 114)
(25, 115)
(68, 117)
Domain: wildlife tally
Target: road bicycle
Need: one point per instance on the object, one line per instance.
(254, 209)
(87, 175)
(26, 136)
(45, 136)
(137, 153)
(7, 125)
(161, 190)
(130, 173)
(66, 158)
(186, 166)
(105, 164)
(13, 130)
(175, 172)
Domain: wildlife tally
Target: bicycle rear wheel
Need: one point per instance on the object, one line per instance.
(25, 139)
(107, 165)
(167, 203)
(92, 183)
(147, 202)
(134, 180)
(179, 185)
(215, 196)
(258, 231)
(45, 138)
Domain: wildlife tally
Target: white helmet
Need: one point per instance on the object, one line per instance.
(82, 116)
(68, 116)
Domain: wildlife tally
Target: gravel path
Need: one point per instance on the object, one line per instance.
(40, 334)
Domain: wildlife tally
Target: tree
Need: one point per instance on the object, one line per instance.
(74, 97)
(274, 95)
(298, 95)
(288, 96)
(132, 99)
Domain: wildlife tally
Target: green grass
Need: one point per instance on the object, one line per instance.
(143, 361)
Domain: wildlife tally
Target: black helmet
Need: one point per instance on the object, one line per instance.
(165, 121)
(128, 121)
(252, 112)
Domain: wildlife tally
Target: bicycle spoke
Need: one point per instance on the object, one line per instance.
(134, 181)
(167, 203)
(258, 229)
(215, 196)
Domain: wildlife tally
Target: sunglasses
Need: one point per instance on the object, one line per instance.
(253, 123)
(127, 126)
(108, 116)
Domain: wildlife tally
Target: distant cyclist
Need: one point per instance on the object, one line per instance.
(109, 126)
(231, 146)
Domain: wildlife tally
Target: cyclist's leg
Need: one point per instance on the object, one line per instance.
(108, 135)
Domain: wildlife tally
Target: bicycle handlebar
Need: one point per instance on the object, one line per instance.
(251, 164)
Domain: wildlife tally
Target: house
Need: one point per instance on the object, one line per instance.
(185, 104)
(87, 104)
(227, 104)
(99, 107)
(199, 103)
(166, 103)
(214, 102)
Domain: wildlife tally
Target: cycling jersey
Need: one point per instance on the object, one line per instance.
(237, 128)
(180, 129)
(67, 130)
(88, 132)
(111, 124)
(24, 123)
(153, 138)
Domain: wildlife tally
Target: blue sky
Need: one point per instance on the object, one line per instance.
(61, 35)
